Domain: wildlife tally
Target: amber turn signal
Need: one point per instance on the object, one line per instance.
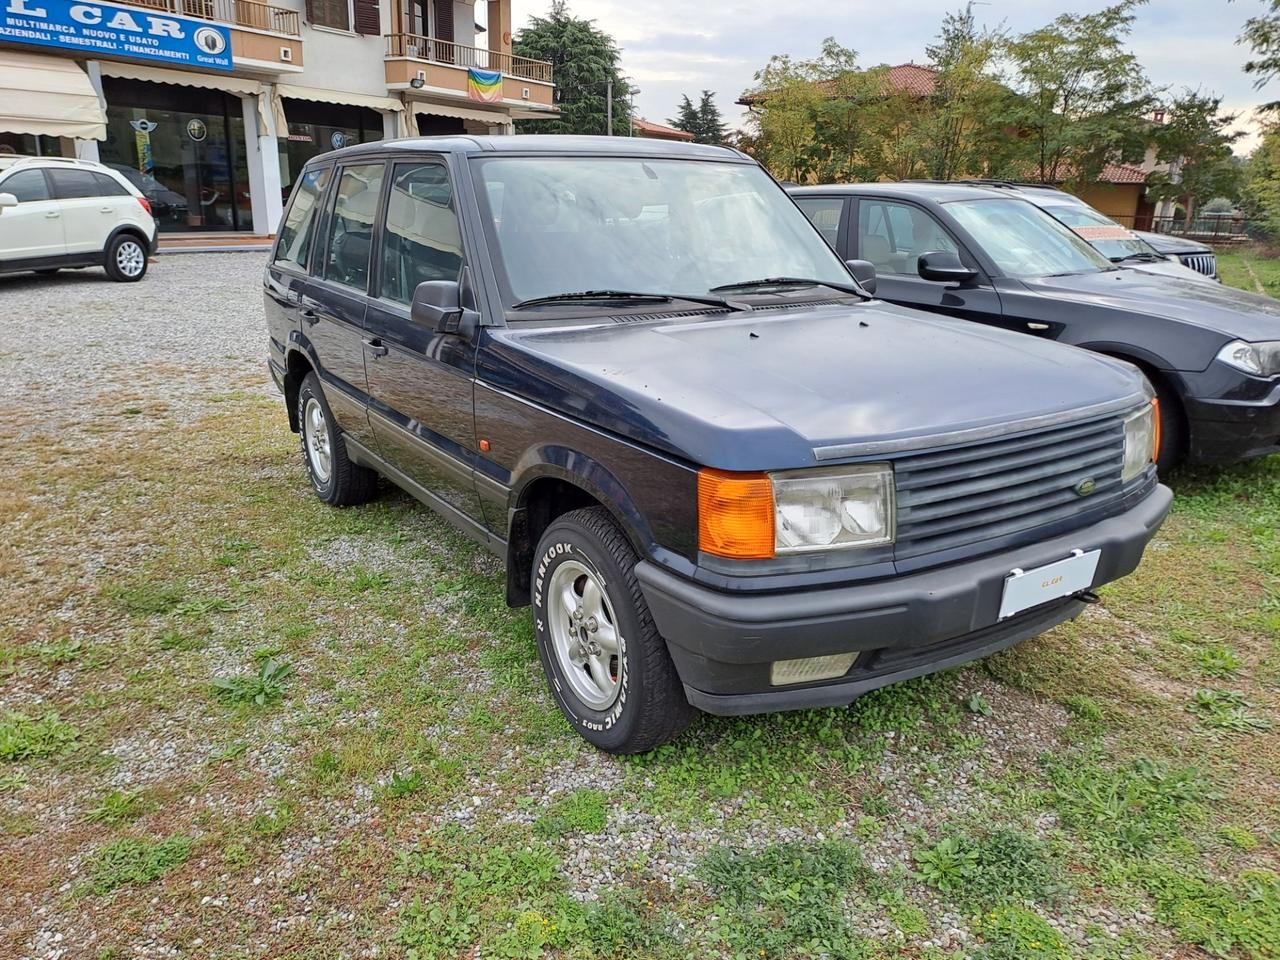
(735, 514)
(1155, 413)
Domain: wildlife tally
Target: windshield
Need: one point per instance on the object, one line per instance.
(1024, 241)
(571, 224)
(1101, 232)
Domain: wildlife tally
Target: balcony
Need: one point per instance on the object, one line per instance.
(410, 46)
(240, 13)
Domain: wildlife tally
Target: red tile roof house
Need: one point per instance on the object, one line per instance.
(1120, 192)
(658, 131)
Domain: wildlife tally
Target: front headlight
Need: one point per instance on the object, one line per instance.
(1141, 441)
(833, 508)
(1259, 359)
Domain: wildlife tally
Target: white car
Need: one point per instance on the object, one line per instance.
(60, 212)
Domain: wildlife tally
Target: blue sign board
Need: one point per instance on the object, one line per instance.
(106, 29)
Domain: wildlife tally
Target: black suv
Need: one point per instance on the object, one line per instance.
(722, 475)
(977, 253)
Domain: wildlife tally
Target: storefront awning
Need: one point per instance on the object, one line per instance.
(48, 96)
(320, 95)
(183, 78)
(493, 117)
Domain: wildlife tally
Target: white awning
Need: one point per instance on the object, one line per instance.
(183, 78)
(48, 96)
(292, 91)
(494, 117)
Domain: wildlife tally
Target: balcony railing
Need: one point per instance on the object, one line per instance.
(431, 50)
(240, 13)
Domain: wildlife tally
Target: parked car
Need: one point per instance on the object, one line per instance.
(59, 212)
(1118, 244)
(723, 476)
(1190, 253)
(1211, 352)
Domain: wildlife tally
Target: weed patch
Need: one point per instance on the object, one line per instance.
(135, 862)
(264, 687)
(23, 737)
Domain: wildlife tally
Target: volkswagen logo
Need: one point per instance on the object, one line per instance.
(1086, 487)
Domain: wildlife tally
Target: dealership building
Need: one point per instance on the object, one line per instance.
(212, 106)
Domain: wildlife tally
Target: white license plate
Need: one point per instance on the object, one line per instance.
(1024, 589)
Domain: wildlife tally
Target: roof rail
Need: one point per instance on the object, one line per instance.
(1000, 184)
(74, 161)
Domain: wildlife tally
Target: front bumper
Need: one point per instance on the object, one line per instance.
(723, 644)
(1244, 425)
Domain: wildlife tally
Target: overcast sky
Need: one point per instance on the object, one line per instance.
(670, 47)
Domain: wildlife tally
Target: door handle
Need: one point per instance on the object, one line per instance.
(52, 215)
(1032, 325)
(105, 209)
(376, 347)
(309, 316)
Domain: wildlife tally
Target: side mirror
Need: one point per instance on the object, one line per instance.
(864, 271)
(7, 200)
(437, 304)
(943, 266)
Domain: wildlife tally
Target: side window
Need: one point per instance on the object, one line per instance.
(893, 235)
(824, 213)
(422, 240)
(295, 231)
(26, 185)
(351, 232)
(73, 184)
(109, 186)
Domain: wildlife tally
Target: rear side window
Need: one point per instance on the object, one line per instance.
(26, 185)
(824, 213)
(109, 186)
(422, 240)
(351, 237)
(74, 184)
(296, 231)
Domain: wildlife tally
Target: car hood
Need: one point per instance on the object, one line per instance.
(1165, 243)
(762, 390)
(1225, 310)
(1170, 268)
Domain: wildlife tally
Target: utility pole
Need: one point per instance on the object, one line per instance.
(608, 109)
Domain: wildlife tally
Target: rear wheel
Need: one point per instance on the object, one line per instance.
(608, 668)
(126, 259)
(338, 480)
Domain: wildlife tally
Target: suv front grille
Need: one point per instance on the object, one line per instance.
(963, 495)
(1206, 263)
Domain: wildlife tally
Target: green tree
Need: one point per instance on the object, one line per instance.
(1260, 191)
(1262, 34)
(1081, 98)
(584, 60)
(1195, 141)
(686, 117)
(710, 123)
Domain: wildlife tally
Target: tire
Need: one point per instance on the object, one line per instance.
(126, 258)
(1173, 428)
(627, 697)
(338, 480)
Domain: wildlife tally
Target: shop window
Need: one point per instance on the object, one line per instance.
(295, 233)
(330, 13)
(351, 236)
(422, 240)
(27, 186)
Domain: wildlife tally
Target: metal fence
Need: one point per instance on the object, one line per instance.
(459, 55)
(242, 13)
(1208, 228)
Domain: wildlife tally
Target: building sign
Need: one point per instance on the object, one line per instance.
(109, 30)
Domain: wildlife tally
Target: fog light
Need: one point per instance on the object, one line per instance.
(810, 669)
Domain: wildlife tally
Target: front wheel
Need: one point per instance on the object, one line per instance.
(1173, 430)
(126, 259)
(608, 668)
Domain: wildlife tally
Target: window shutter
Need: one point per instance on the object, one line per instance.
(311, 11)
(444, 20)
(368, 21)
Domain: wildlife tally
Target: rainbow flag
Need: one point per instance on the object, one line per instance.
(484, 85)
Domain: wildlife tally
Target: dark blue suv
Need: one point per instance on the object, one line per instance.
(722, 475)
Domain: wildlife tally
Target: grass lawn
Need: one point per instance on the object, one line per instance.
(1236, 263)
(238, 723)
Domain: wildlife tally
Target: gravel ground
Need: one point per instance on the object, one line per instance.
(194, 322)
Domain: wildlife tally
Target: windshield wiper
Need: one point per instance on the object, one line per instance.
(607, 295)
(789, 282)
(1141, 256)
